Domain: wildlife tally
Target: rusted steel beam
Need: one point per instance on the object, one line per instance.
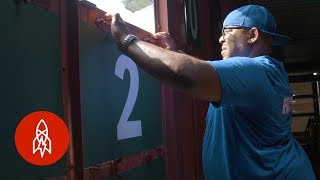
(118, 166)
(91, 15)
(71, 85)
(170, 18)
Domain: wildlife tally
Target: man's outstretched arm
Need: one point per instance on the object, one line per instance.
(180, 71)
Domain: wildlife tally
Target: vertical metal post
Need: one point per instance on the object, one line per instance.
(317, 120)
(318, 96)
(71, 85)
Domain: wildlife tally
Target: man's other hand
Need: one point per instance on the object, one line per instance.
(165, 41)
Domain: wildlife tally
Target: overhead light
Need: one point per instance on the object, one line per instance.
(315, 74)
(136, 5)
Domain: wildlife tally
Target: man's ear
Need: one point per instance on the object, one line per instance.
(253, 35)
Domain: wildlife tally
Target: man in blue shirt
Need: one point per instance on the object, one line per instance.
(248, 127)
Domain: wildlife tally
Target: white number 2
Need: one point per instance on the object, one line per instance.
(128, 129)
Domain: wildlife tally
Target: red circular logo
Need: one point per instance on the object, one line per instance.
(42, 138)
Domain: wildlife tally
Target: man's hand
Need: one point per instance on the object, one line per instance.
(119, 28)
(165, 41)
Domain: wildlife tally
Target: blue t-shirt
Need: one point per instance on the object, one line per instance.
(248, 133)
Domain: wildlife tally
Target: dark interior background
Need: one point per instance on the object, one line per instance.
(297, 19)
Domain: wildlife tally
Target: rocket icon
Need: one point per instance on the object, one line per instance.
(41, 142)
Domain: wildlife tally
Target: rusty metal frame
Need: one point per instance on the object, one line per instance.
(115, 167)
(171, 107)
(181, 113)
(90, 14)
(183, 116)
(69, 28)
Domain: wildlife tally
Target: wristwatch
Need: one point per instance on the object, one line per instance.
(129, 39)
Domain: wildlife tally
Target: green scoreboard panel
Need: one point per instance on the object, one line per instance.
(30, 78)
(121, 108)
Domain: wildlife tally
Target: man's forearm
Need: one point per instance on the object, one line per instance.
(173, 68)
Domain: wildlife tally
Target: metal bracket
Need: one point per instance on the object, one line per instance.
(114, 168)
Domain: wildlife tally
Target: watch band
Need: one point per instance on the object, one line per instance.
(129, 39)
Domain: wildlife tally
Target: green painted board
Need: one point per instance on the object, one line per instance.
(104, 99)
(30, 76)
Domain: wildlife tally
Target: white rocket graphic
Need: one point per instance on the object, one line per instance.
(42, 141)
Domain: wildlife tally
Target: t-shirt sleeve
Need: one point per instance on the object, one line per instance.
(243, 81)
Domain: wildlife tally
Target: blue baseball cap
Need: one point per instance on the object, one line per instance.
(256, 16)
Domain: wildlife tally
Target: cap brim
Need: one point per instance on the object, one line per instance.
(278, 39)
